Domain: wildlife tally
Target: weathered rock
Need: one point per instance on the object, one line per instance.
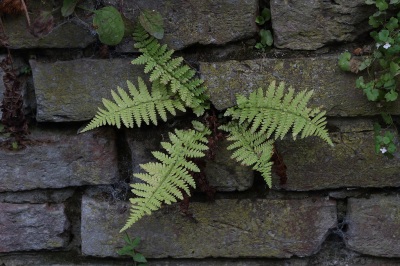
(37, 196)
(32, 227)
(312, 164)
(73, 90)
(309, 25)
(334, 89)
(374, 225)
(58, 157)
(223, 173)
(67, 33)
(202, 22)
(226, 228)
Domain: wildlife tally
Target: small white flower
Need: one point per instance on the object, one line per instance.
(387, 45)
(378, 45)
(383, 150)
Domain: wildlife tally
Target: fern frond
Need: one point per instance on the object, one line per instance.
(269, 112)
(142, 107)
(165, 180)
(252, 148)
(169, 70)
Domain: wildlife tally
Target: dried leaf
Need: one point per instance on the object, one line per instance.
(152, 22)
(12, 6)
(42, 25)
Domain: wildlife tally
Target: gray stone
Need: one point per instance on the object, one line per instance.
(226, 228)
(223, 173)
(73, 90)
(203, 22)
(67, 32)
(58, 157)
(309, 25)
(373, 225)
(313, 165)
(37, 196)
(334, 89)
(32, 227)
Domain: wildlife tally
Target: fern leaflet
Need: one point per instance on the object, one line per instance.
(170, 71)
(269, 112)
(142, 107)
(165, 180)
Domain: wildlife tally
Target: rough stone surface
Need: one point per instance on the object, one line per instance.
(226, 228)
(309, 25)
(223, 173)
(67, 33)
(73, 90)
(374, 225)
(203, 22)
(333, 88)
(32, 227)
(37, 196)
(58, 157)
(312, 164)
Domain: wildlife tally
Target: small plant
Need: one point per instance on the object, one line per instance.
(380, 85)
(25, 70)
(266, 36)
(130, 251)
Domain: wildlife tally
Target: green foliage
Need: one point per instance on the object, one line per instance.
(152, 22)
(142, 107)
(384, 143)
(25, 70)
(380, 88)
(130, 250)
(68, 7)
(266, 35)
(170, 71)
(111, 25)
(166, 180)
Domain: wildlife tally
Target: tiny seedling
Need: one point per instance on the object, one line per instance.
(130, 250)
(266, 35)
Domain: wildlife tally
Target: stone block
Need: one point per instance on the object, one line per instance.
(309, 25)
(196, 22)
(223, 173)
(37, 196)
(334, 89)
(313, 165)
(59, 157)
(73, 90)
(225, 228)
(32, 227)
(374, 225)
(67, 32)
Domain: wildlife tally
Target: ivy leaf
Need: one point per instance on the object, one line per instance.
(266, 37)
(366, 63)
(389, 155)
(391, 148)
(394, 1)
(68, 7)
(389, 135)
(370, 2)
(344, 61)
(374, 21)
(259, 46)
(360, 82)
(388, 84)
(384, 63)
(374, 35)
(377, 128)
(111, 25)
(266, 13)
(42, 24)
(392, 24)
(372, 95)
(260, 20)
(152, 22)
(15, 145)
(377, 147)
(383, 35)
(394, 68)
(139, 258)
(391, 96)
(381, 4)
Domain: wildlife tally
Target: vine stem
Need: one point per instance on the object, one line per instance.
(26, 12)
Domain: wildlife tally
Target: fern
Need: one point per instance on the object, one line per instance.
(143, 106)
(170, 71)
(253, 148)
(261, 115)
(165, 180)
(272, 114)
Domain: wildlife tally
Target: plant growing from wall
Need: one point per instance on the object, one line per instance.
(266, 36)
(130, 251)
(381, 85)
(254, 120)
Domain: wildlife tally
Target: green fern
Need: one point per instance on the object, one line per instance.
(253, 148)
(263, 114)
(143, 106)
(165, 180)
(170, 71)
(272, 114)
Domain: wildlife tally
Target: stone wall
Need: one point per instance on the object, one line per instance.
(63, 199)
